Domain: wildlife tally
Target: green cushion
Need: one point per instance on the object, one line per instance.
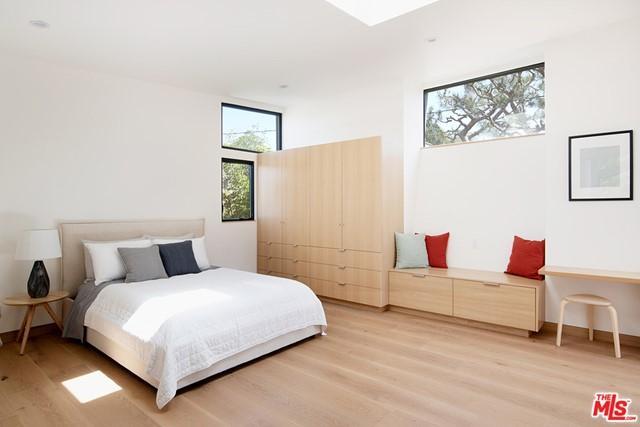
(411, 251)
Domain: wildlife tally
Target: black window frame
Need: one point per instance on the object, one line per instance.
(463, 82)
(250, 163)
(255, 110)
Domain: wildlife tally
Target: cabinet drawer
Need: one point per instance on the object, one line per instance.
(353, 276)
(295, 267)
(421, 292)
(269, 264)
(346, 292)
(346, 257)
(263, 265)
(492, 303)
(295, 252)
(270, 249)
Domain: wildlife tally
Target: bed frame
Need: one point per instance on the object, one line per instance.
(73, 274)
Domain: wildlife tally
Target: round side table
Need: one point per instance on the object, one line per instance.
(32, 304)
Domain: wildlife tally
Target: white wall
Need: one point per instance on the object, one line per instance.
(592, 86)
(485, 193)
(77, 145)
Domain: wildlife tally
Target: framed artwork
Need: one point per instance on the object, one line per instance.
(601, 166)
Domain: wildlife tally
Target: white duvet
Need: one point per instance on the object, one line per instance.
(181, 325)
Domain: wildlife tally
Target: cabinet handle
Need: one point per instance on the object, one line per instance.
(342, 250)
(269, 258)
(493, 285)
(295, 276)
(342, 267)
(341, 283)
(269, 243)
(295, 245)
(419, 276)
(295, 261)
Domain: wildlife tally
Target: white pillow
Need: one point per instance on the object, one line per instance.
(199, 249)
(88, 266)
(106, 261)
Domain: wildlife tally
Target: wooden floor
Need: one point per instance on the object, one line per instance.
(372, 369)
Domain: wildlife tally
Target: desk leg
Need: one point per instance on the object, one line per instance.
(53, 315)
(27, 328)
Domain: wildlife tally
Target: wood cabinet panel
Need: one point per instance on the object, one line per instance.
(347, 292)
(274, 250)
(295, 252)
(421, 292)
(295, 268)
(346, 257)
(347, 275)
(362, 195)
(505, 305)
(269, 194)
(325, 195)
(274, 265)
(263, 264)
(295, 196)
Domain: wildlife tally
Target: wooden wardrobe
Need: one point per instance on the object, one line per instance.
(326, 217)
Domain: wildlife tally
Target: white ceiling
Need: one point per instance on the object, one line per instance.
(248, 48)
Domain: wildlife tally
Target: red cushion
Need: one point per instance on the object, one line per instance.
(437, 250)
(527, 257)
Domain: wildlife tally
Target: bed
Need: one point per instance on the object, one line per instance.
(177, 331)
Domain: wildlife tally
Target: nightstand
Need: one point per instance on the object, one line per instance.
(32, 304)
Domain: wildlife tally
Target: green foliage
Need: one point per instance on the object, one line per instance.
(236, 177)
(250, 140)
(507, 105)
(236, 191)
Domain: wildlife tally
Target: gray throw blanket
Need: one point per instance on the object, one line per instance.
(87, 293)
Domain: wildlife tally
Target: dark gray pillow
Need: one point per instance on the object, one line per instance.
(178, 258)
(142, 264)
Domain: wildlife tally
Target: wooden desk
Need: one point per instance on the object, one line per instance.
(591, 274)
(31, 304)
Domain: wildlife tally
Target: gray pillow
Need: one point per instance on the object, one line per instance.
(411, 251)
(142, 264)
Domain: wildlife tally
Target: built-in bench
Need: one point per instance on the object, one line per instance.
(481, 296)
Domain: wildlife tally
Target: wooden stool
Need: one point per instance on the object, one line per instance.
(591, 301)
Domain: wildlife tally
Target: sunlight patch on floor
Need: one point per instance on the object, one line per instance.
(95, 385)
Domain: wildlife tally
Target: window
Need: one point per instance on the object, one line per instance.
(250, 129)
(237, 190)
(501, 105)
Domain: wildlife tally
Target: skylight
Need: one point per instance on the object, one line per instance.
(373, 12)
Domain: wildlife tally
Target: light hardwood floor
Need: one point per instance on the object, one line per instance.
(372, 369)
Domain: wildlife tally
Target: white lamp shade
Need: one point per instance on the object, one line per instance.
(36, 245)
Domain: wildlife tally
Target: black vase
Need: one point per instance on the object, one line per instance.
(38, 284)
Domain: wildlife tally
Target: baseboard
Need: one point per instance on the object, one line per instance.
(459, 321)
(49, 328)
(579, 331)
(352, 304)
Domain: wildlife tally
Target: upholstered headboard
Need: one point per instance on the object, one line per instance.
(73, 233)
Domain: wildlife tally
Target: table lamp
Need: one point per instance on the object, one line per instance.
(38, 245)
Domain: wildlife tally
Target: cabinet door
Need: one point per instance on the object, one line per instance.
(269, 193)
(295, 190)
(362, 195)
(325, 195)
(495, 303)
